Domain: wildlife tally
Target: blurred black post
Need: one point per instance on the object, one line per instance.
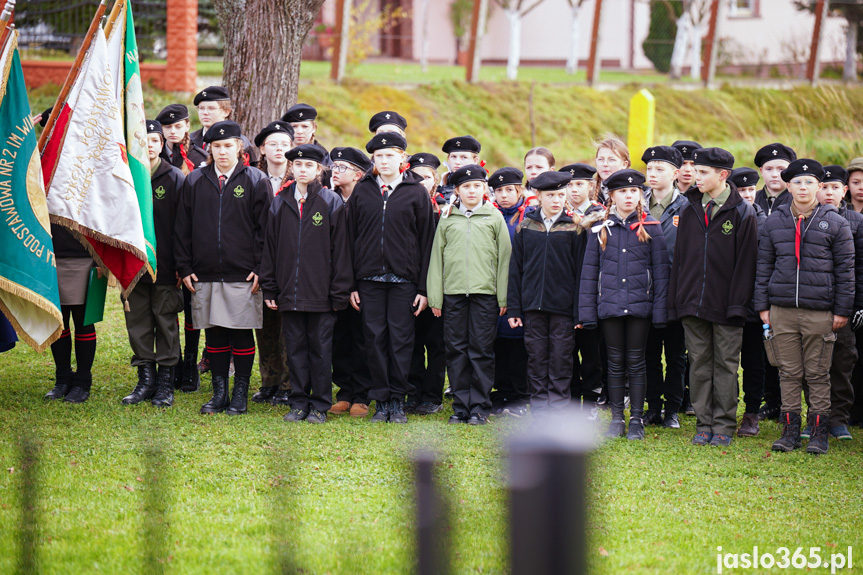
(432, 539)
(28, 527)
(155, 524)
(548, 515)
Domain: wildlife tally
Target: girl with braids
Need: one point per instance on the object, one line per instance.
(624, 285)
(536, 161)
(179, 151)
(612, 155)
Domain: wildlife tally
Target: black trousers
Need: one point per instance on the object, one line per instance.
(549, 339)
(857, 384)
(428, 362)
(510, 372)
(671, 386)
(470, 327)
(753, 361)
(586, 371)
(350, 368)
(309, 351)
(388, 324)
(626, 340)
(772, 393)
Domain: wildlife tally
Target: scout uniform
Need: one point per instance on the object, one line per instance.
(458, 144)
(189, 155)
(215, 94)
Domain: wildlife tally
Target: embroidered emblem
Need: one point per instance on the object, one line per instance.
(468, 172)
(300, 114)
(340, 154)
(204, 94)
(172, 115)
(775, 153)
(676, 221)
(239, 191)
(422, 161)
(458, 144)
(630, 179)
(823, 225)
(383, 141)
(684, 149)
(278, 127)
(652, 153)
(160, 193)
(745, 179)
(222, 131)
(153, 127)
(300, 153)
(828, 173)
(805, 167)
(388, 116)
(317, 219)
(500, 178)
(727, 227)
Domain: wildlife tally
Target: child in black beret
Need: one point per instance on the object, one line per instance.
(214, 105)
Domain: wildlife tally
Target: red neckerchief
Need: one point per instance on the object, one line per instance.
(188, 162)
(797, 238)
(642, 222)
(285, 185)
(245, 159)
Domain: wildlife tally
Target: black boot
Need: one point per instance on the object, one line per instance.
(165, 386)
(80, 391)
(382, 411)
(191, 379)
(240, 396)
(790, 439)
(818, 441)
(178, 371)
(636, 429)
(146, 386)
(219, 402)
(397, 411)
(62, 385)
(265, 394)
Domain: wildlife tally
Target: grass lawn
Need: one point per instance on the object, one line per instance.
(338, 498)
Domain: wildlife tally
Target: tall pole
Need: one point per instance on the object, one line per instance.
(708, 66)
(593, 59)
(337, 67)
(812, 67)
(477, 25)
(6, 19)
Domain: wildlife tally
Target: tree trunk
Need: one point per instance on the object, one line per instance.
(514, 58)
(574, 38)
(697, 37)
(681, 39)
(424, 45)
(849, 73)
(263, 47)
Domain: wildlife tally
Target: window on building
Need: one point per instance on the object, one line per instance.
(743, 8)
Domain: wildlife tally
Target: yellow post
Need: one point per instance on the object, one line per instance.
(642, 123)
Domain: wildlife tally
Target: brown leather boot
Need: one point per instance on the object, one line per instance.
(359, 410)
(340, 408)
(748, 425)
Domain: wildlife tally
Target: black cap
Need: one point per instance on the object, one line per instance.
(625, 179)
(173, 113)
(713, 157)
(277, 127)
(835, 174)
(462, 144)
(300, 113)
(506, 177)
(45, 115)
(550, 181)
(774, 151)
(223, 130)
(579, 171)
(686, 148)
(668, 154)
(212, 94)
(744, 177)
(154, 127)
(386, 140)
(424, 159)
(352, 156)
(469, 173)
(386, 118)
(306, 152)
(803, 167)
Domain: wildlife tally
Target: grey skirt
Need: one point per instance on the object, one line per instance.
(73, 276)
(227, 304)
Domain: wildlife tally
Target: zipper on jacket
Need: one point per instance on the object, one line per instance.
(649, 284)
(221, 267)
(544, 261)
(383, 227)
(466, 264)
(297, 273)
(704, 270)
(599, 291)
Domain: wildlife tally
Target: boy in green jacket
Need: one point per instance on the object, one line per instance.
(467, 279)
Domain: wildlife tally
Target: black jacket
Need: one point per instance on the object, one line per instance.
(823, 276)
(167, 183)
(762, 200)
(545, 267)
(855, 221)
(195, 154)
(306, 264)
(713, 273)
(394, 236)
(220, 236)
(65, 244)
(197, 138)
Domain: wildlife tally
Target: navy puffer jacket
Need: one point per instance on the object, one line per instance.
(822, 278)
(629, 277)
(855, 221)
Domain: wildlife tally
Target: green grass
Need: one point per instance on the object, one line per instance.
(340, 495)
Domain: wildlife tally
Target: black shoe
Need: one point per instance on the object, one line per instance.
(428, 408)
(602, 401)
(164, 396)
(219, 402)
(80, 391)
(790, 439)
(397, 411)
(769, 411)
(688, 409)
(382, 412)
(281, 398)
(265, 394)
(818, 442)
(190, 378)
(146, 386)
(671, 421)
(239, 396)
(457, 418)
(636, 429)
(296, 415)
(617, 428)
(477, 419)
(411, 407)
(652, 417)
(62, 385)
(316, 416)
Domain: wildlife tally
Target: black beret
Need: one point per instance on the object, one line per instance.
(352, 156)
(386, 140)
(713, 157)
(173, 113)
(625, 179)
(385, 118)
(424, 159)
(277, 127)
(686, 147)
(45, 115)
(300, 113)
(579, 171)
(668, 154)
(468, 173)
(506, 177)
(462, 144)
(775, 151)
(744, 177)
(306, 152)
(222, 131)
(154, 127)
(550, 181)
(212, 94)
(835, 174)
(803, 167)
